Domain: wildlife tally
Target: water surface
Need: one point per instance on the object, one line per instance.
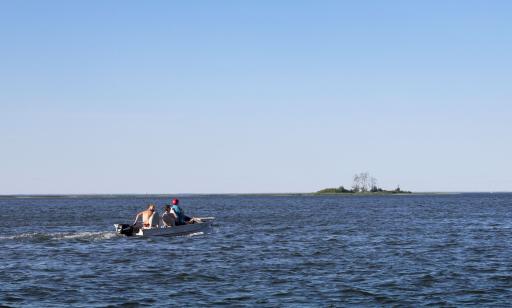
(439, 250)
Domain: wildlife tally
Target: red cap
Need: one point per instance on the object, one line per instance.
(175, 201)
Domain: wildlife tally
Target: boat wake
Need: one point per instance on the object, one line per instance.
(59, 236)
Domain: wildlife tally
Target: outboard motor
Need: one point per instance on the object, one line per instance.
(125, 229)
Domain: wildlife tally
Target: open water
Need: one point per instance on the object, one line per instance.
(438, 250)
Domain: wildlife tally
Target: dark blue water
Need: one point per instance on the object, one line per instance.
(438, 250)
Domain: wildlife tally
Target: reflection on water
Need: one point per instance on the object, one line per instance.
(263, 250)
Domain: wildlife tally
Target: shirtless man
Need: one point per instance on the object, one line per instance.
(150, 218)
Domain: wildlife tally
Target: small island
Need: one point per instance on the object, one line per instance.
(363, 183)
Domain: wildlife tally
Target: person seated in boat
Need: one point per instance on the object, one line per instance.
(168, 218)
(150, 217)
(179, 214)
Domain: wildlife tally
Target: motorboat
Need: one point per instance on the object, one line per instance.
(200, 224)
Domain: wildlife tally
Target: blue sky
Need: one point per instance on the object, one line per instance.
(254, 96)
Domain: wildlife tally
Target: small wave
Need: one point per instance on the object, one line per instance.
(194, 234)
(37, 236)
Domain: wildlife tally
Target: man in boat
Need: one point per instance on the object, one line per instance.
(179, 214)
(150, 217)
(168, 218)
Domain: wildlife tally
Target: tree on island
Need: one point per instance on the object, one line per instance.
(363, 183)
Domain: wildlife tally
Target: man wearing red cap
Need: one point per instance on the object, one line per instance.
(179, 213)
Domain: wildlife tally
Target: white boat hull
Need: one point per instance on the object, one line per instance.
(205, 223)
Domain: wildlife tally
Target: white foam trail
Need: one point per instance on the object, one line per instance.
(19, 236)
(88, 235)
(62, 236)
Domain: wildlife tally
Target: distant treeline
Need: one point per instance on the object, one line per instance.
(363, 183)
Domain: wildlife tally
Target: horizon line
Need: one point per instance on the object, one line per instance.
(219, 194)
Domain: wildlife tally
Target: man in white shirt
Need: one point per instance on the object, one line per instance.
(168, 217)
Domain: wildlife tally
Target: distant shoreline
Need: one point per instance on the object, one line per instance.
(105, 196)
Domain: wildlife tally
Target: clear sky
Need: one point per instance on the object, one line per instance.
(254, 96)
